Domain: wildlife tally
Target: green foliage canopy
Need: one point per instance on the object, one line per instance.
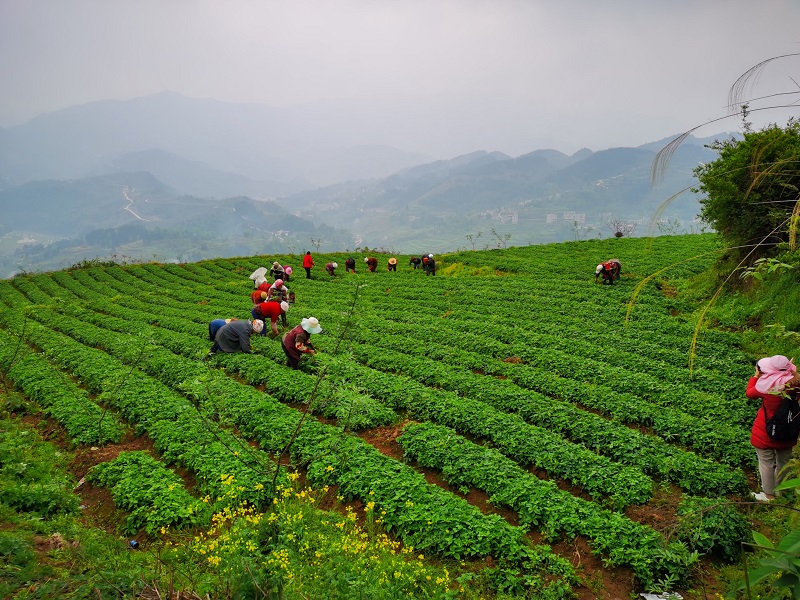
(752, 188)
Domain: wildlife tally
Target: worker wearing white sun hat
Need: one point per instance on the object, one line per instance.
(297, 341)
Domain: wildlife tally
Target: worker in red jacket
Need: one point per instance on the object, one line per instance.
(372, 263)
(271, 311)
(609, 270)
(308, 262)
(774, 376)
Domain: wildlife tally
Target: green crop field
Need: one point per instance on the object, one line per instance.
(495, 416)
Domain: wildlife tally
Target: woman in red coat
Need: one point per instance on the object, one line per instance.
(308, 262)
(774, 375)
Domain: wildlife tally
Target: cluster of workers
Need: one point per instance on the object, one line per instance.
(775, 378)
(427, 261)
(270, 302)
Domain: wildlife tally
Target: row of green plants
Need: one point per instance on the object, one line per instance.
(292, 548)
(525, 443)
(708, 445)
(540, 504)
(186, 291)
(153, 495)
(60, 398)
(544, 362)
(699, 434)
(238, 357)
(409, 502)
(584, 472)
(182, 435)
(735, 482)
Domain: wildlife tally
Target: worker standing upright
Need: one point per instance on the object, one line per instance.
(308, 262)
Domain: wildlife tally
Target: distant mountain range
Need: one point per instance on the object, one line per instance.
(280, 149)
(208, 178)
(543, 196)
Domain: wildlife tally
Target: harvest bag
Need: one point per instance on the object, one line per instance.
(784, 426)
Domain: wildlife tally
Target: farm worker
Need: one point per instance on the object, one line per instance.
(217, 324)
(330, 267)
(258, 276)
(616, 267)
(392, 264)
(425, 263)
(292, 298)
(296, 342)
(258, 296)
(308, 262)
(235, 336)
(415, 262)
(271, 311)
(430, 266)
(606, 270)
(288, 271)
(277, 272)
(350, 265)
(278, 292)
(774, 375)
(372, 263)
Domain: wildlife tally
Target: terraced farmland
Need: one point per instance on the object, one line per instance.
(510, 376)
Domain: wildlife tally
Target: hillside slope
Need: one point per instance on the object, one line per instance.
(523, 390)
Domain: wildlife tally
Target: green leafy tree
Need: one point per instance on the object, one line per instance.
(751, 190)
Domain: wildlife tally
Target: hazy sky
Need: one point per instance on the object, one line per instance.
(437, 76)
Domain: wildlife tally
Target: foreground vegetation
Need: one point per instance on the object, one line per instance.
(526, 412)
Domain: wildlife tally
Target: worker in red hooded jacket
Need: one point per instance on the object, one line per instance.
(308, 262)
(774, 376)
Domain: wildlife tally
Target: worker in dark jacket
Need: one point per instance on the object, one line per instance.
(350, 265)
(235, 336)
(217, 324)
(297, 341)
(415, 262)
(372, 263)
(277, 271)
(392, 264)
(430, 265)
